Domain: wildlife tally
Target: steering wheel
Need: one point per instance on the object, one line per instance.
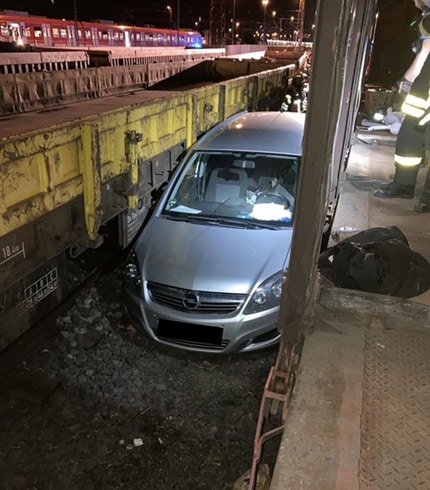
(274, 195)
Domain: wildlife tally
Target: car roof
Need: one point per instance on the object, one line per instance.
(266, 132)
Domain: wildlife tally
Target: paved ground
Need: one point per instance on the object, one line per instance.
(361, 405)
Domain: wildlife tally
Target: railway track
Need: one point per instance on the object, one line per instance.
(83, 272)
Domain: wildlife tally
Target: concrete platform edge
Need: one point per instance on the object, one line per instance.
(320, 446)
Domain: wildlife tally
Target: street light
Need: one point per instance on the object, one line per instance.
(265, 3)
(169, 9)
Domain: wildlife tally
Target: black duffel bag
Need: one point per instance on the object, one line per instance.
(378, 260)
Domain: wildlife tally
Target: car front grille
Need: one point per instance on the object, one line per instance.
(196, 301)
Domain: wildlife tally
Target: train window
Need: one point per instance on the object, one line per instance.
(103, 35)
(55, 32)
(138, 36)
(4, 31)
(87, 34)
(121, 36)
(63, 33)
(38, 32)
(79, 34)
(26, 31)
(14, 32)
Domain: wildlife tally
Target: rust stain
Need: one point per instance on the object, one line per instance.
(48, 173)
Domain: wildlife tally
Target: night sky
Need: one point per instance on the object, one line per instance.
(141, 12)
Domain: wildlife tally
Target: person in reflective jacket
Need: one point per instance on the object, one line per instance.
(411, 145)
(295, 99)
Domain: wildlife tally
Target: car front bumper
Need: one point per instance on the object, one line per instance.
(224, 334)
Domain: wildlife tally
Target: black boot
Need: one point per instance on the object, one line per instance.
(395, 190)
(403, 184)
(422, 206)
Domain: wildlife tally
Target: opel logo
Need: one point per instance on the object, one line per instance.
(191, 301)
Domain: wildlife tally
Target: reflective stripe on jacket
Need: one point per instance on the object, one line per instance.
(415, 106)
(407, 161)
(425, 119)
(417, 102)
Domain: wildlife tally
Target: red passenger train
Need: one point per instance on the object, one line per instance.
(24, 29)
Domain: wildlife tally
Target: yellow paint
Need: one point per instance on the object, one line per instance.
(47, 168)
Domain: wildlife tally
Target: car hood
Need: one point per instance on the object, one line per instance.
(211, 257)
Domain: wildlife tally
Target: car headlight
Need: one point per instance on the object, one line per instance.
(267, 295)
(131, 274)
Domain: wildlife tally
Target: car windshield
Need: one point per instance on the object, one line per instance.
(252, 187)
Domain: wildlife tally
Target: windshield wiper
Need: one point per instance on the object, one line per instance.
(205, 219)
(189, 217)
(234, 222)
(223, 221)
(215, 220)
(265, 226)
(176, 217)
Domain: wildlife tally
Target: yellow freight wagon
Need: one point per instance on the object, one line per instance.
(74, 176)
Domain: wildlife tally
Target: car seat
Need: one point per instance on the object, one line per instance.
(226, 183)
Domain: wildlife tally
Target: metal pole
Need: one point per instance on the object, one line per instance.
(300, 15)
(335, 89)
(264, 22)
(169, 9)
(265, 3)
(177, 20)
(75, 18)
(233, 34)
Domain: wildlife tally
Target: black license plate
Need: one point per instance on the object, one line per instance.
(189, 332)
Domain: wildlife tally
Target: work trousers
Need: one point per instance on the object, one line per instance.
(410, 143)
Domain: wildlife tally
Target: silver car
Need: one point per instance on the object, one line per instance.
(206, 273)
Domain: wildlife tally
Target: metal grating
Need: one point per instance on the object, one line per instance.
(395, 423)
